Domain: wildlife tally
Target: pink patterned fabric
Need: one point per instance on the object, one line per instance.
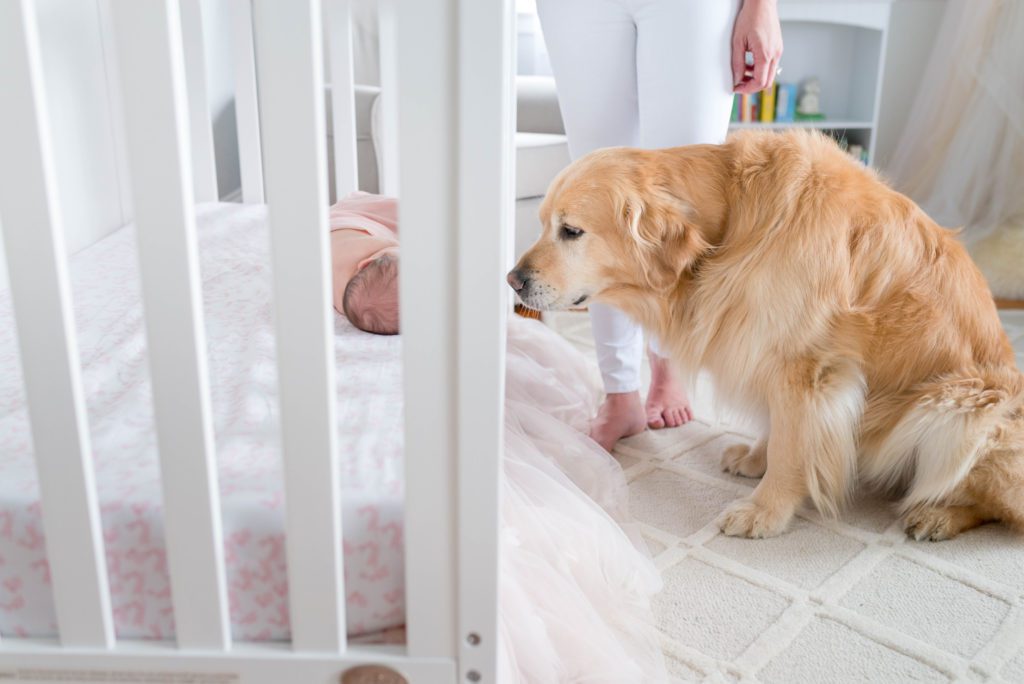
(234, 261)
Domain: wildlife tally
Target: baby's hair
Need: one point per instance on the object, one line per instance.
(370, 301)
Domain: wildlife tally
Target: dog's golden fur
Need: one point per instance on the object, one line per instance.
(819, 299)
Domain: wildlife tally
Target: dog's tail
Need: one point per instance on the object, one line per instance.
(954, 423)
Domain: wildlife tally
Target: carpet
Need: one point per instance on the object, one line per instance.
(852, 600)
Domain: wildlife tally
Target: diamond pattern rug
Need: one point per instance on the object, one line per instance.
(846, 601)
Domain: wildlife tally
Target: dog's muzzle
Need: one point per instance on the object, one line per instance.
(518, 281)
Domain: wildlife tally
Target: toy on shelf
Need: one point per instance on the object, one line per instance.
(808, 107)
(855, 150)
(859, 153)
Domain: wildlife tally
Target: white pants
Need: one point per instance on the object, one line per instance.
(639, 73)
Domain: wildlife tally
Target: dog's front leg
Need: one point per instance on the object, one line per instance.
(768, 510)
(746, 460)
(812, 448)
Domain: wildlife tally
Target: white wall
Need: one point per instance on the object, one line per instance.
(80, 118)
(74, 75)
(911, 36)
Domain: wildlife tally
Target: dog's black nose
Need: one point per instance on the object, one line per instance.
(516, 280)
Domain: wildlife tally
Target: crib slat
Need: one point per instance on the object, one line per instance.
(290, 79)
(343, 102)
(389, 171)
(152, 73)
(428, 166)
(34, 240)
(485, 198)
(204, 171)
(247, 115)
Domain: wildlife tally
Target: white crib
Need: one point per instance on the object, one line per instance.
(446, 70)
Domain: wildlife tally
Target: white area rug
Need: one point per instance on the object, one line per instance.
(848, 601)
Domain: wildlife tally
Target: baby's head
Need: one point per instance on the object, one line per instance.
(371, 297)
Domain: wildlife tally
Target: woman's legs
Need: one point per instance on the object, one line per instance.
(684, 81)
(684, 87)
(592, 47)
(651, 73)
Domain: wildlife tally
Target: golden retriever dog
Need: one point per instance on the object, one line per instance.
(821, 301)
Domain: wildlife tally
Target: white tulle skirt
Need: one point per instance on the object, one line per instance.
(576, 577)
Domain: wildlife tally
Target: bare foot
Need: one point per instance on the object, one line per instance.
(621, 415)
(667, 403)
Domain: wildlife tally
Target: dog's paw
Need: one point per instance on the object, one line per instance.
(745, 518)
(748, 461)
(932, 523)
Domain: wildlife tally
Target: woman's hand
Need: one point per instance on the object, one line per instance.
(756, 31)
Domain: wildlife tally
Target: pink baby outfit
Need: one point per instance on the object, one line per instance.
(373, 214)
(363, 226)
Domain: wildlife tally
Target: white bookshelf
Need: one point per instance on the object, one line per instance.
(827, 124)
(842, 42)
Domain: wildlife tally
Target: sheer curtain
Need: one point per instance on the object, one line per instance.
(962, 154)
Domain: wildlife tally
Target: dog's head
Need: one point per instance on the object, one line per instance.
(616, 222)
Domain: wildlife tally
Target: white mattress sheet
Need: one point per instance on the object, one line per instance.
(234, 263)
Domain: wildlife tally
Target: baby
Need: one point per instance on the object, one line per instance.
(364, 257)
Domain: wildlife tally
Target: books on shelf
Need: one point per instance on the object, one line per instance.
(767, 111)
(777, 103)
(745, 107)
(785, 102)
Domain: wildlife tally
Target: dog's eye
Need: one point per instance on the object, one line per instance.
(570, 233)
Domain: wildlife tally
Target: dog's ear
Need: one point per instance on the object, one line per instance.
(656, 216)
(636, 224)
(664, 233)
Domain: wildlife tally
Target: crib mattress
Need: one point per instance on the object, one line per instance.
(234, 263)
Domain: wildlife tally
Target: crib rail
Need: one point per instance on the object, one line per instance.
(456, 203)
(33, 230)
(449, 62)
(152, 74)
(290, 78)
(486, 114)
(429, 229)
